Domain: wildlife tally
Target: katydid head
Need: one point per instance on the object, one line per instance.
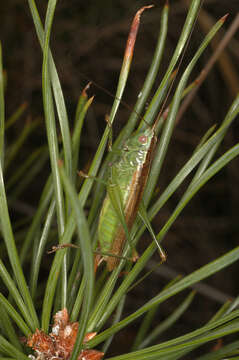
(141, 140)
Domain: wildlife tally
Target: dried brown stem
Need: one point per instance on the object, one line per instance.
(133, 33)
(84, 91)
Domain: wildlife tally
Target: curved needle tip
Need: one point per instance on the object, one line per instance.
(223, 19)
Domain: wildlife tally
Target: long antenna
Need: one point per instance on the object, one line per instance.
(179, 65)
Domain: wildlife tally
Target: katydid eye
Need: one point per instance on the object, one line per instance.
(143, 139)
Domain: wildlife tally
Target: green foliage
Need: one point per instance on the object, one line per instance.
(28, 303)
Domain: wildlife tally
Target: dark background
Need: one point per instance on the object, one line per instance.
(89, 38)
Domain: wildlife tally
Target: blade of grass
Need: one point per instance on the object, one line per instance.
(231, 115)
(2, 109)
(16, 146)
(147, 321)
(8, 330)
(182, 42)
(212, 60)
(36, 261)
(58, 95)
(29, 176)
(83, 98)
(23, 168)
(50, 117)
(198, 183)
(127, 61)
(78, 300)
(116, 319)
(224, 352)
(11, 350)
(8, 237)
(15, 316)
(169, 125)
(200, 336)
(85, 242)
(217, 316)
(165, 112)
(149, 80)
(176, 314)
(52, 140)
(10, 285)
(54, 274)
(80, 116)
(16, 115)
(35, 225)
(233, 305)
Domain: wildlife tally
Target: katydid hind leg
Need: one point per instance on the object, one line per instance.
(144, 216)
(95, 178)
(110, 141)
(98, 257)
(117, 203)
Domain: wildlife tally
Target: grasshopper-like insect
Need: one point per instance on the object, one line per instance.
(126, 184)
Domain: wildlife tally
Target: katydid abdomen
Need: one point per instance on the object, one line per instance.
(127, 180)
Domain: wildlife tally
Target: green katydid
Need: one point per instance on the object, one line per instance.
(125, 188)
